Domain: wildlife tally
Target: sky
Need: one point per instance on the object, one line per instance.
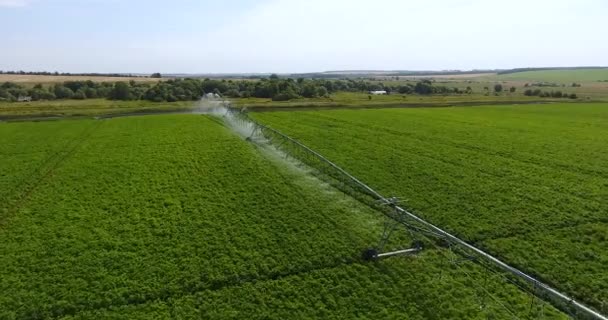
(289, 36)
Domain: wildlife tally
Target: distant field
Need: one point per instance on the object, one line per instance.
(161, 217)
(359, 99)
(594, 90)
(561, 76)
(96, 107)
(528, 183)
(34, 79)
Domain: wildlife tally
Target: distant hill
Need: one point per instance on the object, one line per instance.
(554, 74)
(387, 73)
(517, 70)
(562, 75)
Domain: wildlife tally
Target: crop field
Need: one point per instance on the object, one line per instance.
(101, 107)
(358, 99)
(527, 183)
(84, 108)
(175, 216)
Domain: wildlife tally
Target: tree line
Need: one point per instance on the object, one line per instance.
(275, 88)
(193, 89)
(549, 94)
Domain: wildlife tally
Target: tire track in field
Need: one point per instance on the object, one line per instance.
(458, 164)
(47, 161)
(554, 228)
(36, 172)
(358, 126)
(554, 224)
(201, 286)
(48, 167)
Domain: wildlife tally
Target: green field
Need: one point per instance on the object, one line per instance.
(85, 108)
(358, 99)
(561, 76)
(527, 183)
(178, 217)
(100, 107)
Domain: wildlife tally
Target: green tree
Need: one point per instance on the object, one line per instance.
(322, 91)
(47, 95)
(512, 90)
(309, 90)
(233, 93)
(79, 95)
(4, 93)
(36, 93)
(498, 88)
(121, 91)
(156, 75)
(407, 89)
(288, 94)
(423, 87)
(91, 93)
(62, 92)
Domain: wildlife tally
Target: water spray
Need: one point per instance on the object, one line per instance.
(214, 104)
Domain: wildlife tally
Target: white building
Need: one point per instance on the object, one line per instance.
(379, 92)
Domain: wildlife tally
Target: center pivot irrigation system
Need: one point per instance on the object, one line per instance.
(397, 215)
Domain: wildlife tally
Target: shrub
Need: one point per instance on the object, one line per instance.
(62, 92)
(79, 95)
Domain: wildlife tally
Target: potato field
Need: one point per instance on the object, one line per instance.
(176, 216)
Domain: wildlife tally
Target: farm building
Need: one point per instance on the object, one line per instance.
(378, 92)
